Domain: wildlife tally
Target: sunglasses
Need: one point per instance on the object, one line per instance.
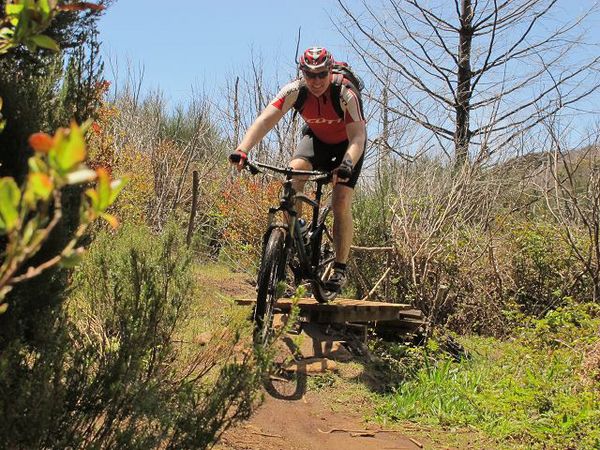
(315, 75)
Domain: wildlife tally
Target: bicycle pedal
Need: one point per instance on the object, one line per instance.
(295, 328)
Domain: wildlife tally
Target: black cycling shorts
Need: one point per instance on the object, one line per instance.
(326, 157)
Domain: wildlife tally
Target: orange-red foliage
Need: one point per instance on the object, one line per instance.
(244, 208)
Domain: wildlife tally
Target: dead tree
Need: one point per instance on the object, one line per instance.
(479, 73)
(572, 193)
(245, 98)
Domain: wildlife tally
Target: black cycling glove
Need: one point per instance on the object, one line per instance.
(237, 156)
(344, 171)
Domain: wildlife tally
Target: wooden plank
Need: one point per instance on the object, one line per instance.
(416, 314)
(345, 310)
(311, 303)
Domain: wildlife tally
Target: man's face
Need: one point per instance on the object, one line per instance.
(317, 82)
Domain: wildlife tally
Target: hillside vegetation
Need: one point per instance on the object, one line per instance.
(135, 344)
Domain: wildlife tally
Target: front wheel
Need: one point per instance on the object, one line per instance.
(270, 275)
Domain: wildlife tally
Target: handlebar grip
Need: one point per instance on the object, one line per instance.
(235, 157)
(238, 156)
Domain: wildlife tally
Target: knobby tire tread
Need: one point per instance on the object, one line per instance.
(270, 273)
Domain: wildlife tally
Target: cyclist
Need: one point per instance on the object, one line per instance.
(329, 142)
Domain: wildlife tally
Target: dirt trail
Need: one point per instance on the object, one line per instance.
(295, 417)
(309, 424)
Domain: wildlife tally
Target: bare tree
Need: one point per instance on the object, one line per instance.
(572, 193)
(246, 95)
(479, 72)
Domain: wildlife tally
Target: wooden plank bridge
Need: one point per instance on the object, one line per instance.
(343, 310)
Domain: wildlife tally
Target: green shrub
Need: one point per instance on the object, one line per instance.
(474, 253)
(372, 228)
(42, 222)
(111, 374)
(544, 267)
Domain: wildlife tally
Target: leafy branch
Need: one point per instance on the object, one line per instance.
(29, 214)
(26, 20)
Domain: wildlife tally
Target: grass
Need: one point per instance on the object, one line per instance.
(212, 309)
(213, 321)
(529, 392)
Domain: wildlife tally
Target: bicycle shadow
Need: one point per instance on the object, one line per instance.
(287, 382)
(313, 352)
(318, 349)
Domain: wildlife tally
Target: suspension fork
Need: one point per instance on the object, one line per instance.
(291, 225)
(272, 225)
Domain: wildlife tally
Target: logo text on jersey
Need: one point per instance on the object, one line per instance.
(320, 120)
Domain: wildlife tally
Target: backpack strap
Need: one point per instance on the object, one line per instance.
(336, 93)
(300, 100)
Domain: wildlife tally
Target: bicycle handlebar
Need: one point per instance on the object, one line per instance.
(255, 167)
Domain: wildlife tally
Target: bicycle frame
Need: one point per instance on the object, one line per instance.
(308, 254)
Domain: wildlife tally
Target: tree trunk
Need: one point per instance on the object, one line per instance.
(462, 134)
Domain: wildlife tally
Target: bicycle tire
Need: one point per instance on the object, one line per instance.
(270, 274)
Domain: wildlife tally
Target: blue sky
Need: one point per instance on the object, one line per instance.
(190, 46)
(198, 43)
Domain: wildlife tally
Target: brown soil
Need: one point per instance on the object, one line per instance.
(235, 285)
(307, 424)
(297, 415)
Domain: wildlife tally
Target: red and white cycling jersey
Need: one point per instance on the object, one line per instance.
(319, 113)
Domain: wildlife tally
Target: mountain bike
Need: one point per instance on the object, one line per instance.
(292, 253)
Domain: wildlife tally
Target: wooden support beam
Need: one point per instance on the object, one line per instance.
(346, 310)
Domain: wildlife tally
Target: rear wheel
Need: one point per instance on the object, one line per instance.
(270, 275)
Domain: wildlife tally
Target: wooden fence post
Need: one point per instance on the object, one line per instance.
(195, 184)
